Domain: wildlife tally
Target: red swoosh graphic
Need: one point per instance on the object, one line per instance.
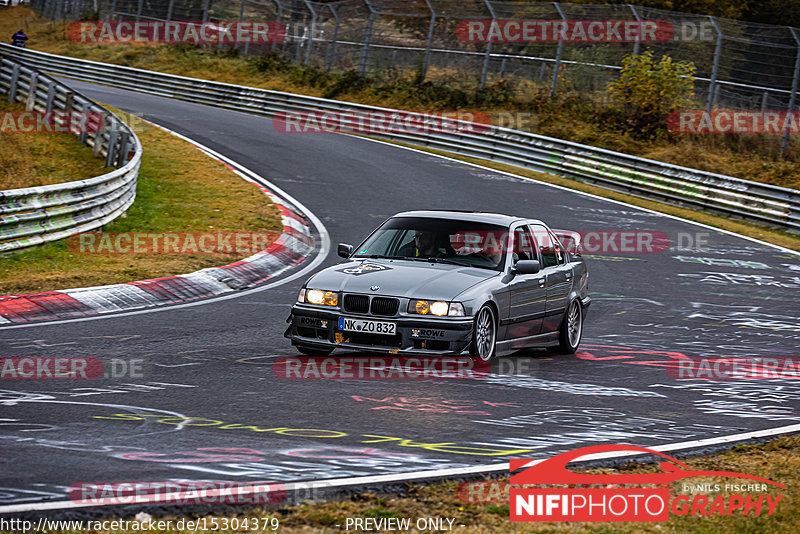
(554, 470)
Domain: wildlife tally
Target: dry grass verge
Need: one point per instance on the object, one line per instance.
(28, 160)
(180, 189)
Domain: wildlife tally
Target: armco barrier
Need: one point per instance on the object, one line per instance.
(640, 177)
(34, 215)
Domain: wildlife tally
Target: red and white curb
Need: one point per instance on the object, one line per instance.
(292, 247)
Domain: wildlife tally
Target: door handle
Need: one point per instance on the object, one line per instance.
(569, 276)
(541, 282)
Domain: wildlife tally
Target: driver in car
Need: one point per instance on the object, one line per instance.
(424, 245)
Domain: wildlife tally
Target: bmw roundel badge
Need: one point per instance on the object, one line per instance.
(374, 288)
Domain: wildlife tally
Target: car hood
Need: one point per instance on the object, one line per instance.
(400, 278)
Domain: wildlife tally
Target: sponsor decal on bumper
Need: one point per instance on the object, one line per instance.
(406, 335)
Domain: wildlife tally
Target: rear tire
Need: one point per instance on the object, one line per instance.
(484, 334)
(313, 351)
(571, 329)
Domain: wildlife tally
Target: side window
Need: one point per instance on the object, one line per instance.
(524, 244)
(557, 246)
(549, 247)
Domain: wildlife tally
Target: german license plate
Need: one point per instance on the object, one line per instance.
(366, 326)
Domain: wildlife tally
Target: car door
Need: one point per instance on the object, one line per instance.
(527, 292)
(558, 277)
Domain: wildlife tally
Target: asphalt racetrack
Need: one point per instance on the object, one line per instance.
(209, 405)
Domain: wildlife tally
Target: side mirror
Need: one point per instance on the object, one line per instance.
(526, 267)
(344, 250)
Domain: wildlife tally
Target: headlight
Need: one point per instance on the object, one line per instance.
(439, 308)
(320, 297)
(456, 309)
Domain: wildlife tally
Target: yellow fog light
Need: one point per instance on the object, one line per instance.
(331, 298)
(422, 307)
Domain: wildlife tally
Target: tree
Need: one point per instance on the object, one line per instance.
(649, 91)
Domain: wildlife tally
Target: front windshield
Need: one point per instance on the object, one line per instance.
(447, 241)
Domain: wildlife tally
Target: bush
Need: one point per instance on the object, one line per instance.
(650, 91)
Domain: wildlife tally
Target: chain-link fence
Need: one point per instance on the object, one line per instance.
(739, 65)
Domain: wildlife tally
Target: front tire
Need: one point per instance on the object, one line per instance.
(484, 334)
(313, 351)
(571, 329)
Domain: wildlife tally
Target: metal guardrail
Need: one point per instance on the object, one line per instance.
(35, 215)
(673, 184)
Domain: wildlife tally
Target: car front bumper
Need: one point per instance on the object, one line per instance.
(319, 328)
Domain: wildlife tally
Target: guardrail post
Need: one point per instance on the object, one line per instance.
(123, 150)
(636, 45)
(138, 15)
(427, 57)
(30, 102)
(764, 98)
(170, 9)
(98, 138)
(113, 11)
(206, 5)
(83, 123)
(715, 67)
(310, 40)
(332, 45)
(68, 107)
(12, 86)
(488, 54)
(51, 96)
(362, 62)
(559, 50)
(793, 97)
(112, 144)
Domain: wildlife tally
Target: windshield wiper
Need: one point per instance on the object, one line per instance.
(431, 259)
(449, 261)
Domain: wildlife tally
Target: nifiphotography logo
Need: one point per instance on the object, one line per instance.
(599, 502)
